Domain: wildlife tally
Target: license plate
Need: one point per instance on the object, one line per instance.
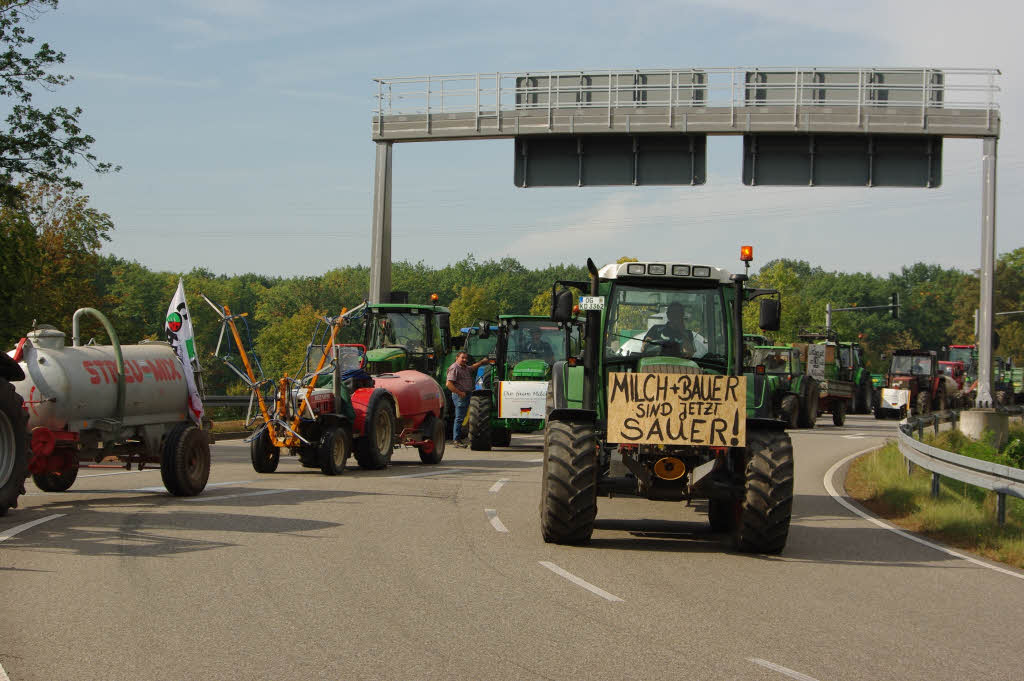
(591, 303)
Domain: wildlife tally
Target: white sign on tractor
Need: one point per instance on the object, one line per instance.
(522, 399)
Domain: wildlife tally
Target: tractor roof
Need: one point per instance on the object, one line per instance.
(664, 271)
(930, 353)
(398, 307)
(524, 316)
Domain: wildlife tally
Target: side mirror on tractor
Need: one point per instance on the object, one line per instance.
(771, 313)
(444, 321)
(561, 305)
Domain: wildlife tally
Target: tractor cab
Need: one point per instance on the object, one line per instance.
(777, 361)
(403, 336)
(968, 354)
(529, 346)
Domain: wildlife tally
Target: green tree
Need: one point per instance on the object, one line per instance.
(471, 305)
(36, 145)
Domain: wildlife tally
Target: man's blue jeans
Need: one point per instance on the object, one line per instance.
(461, 407)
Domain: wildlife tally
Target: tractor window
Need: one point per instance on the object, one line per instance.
(680, 323)
(775, 360)
(908, 364)
(399, 328)
(845, 355)
(536, 339)
(481, 347)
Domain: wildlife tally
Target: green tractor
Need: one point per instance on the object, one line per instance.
(510, 392)
(661, 408)
(406, 336)
(791, 395)
(854, 370)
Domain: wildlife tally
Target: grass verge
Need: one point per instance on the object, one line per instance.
(962, 515)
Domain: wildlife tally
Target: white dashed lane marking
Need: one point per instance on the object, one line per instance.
(496, 523)
(496, 487)
(18, 529)
(782, 670)
(580, 582)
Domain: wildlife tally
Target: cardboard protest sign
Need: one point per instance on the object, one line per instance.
(677, 409)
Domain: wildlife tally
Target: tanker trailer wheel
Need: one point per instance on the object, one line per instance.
(790, 409)
(839, 413)
(265, 456)
(56, 482)
(568, 496)
(335, 448)
(480, 423)
(374, 449)
(185, 461)
(767, 505)
(433, 430)
(13, 449)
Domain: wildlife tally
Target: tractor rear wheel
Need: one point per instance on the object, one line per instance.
(809, 414)
(374, 449)
(56, 482)
(863, 399)
(790, 409)
(433, 430)
(839, 413)
(501, 437)
(13, 448)
(185, 460)
(767, 505)
(924, 403)
(568, 498)
(264, 455)
(480, 423)
(334, 450)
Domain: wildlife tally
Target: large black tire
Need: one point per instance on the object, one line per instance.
(309, 457)
(767, 505)
(809, 413)
(334, 449)
(943, 400)
(790, 409)
(449, 416)
(723, 514)
(13, 447)
(264, 455)
(480, 423)
(839, 413)
(863, 399)
(433, 430)
(375, 447)
(185, 460)
(501, 437)
(56, 482)
(568, 499)
(924, 403)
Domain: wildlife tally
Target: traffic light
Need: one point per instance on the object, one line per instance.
(894, 305)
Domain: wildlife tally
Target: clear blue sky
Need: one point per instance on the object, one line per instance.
(243, 129)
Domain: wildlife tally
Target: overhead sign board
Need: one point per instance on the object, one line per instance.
(677, 409)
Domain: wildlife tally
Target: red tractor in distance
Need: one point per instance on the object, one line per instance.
(915, 384)
(958, 373)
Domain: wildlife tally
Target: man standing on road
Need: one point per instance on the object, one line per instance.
(460, 382)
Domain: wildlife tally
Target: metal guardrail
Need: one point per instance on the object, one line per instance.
(736, 87)
(226, 401)
(1003, 480)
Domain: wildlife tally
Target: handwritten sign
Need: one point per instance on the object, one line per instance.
(816, 361)
(677, 409)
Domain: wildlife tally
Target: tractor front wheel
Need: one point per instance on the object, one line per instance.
(723, 514)
(839, 413)
(924, 403)
(264, 455)
(13, 448)
(790, 409)
(480, 423)
(767, 505)
(501, 437)
(334, 450)
(568, 497)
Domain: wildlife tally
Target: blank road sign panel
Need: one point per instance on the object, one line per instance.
(843, 160)
(610, 160)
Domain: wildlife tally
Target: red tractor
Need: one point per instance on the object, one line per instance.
(914, 384)
(958, 373)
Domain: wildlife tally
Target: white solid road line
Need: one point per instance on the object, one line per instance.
(782, 670)
(236, 496)
(884, 525)
(579, 582)
(426, 475)
(100, 475)
(496, 487)
(18, 529)
(496, 523)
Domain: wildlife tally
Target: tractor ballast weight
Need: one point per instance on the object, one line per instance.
(615, 423)
(87, 402)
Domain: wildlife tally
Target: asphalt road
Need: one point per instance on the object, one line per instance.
(439, 572)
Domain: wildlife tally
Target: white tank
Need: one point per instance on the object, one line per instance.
(68, 387)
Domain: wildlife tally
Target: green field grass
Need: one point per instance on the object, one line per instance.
(962, 515)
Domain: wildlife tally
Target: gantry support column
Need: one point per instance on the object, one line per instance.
(380, 247)
(988, 271)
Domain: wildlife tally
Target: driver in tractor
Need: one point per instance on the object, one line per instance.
(672, 337)
(538, 347)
